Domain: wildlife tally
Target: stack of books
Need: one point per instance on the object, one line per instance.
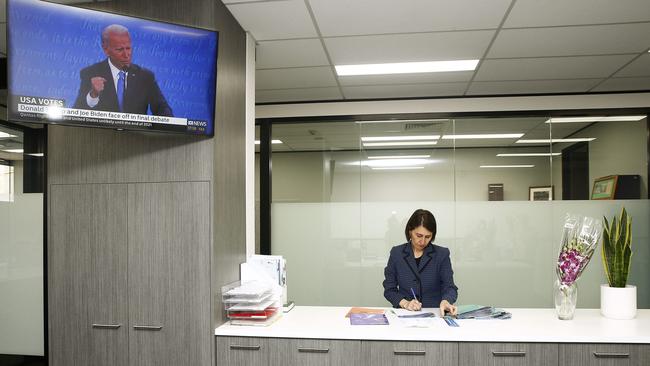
(250, 303)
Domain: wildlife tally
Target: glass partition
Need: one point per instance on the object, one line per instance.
(21, 253)
(499, 188)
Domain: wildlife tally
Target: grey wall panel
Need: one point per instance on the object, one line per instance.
(91, 155)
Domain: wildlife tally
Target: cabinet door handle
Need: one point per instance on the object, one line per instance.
(410, 353)
(147, 327)
(247, 348)
(313, 350)
(611, 355)
(107, 326)
(508, 353)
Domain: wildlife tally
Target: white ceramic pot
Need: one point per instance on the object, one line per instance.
(618, 302)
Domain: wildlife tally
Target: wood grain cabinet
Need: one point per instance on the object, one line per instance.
(129, 274)
(388, 353)
(604, 354)
(510, 354)
(242, 351)
(313, 352)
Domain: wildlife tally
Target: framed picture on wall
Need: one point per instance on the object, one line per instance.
(604, 188)
(540, 193)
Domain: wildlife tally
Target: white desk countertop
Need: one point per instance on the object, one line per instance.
(526, 325)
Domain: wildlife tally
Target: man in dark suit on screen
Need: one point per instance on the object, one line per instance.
(117, 85)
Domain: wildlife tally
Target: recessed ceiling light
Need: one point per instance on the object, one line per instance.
(531, 154)
(399, 168)
(400, 143)
(257, 142)
(548, 141)
(508, 166)
(406, 67)
(484, 136)
(16, 151)
(400, 157)
(404, 121)
(594, 119)
(399, 138)
(5, 135)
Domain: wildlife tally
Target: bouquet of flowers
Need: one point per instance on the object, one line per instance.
(579, 240)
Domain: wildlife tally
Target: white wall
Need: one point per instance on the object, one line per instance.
(21, 272)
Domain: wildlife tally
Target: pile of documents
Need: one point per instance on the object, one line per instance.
(481, 312)
(250, 303)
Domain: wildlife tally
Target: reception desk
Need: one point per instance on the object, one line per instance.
(323, 336)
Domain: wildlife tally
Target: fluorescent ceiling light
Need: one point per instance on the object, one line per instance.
(508, 166)
(398, 143)
(38, 155)
(399, 168)
(595, 119)
(531, 154)
(547, 141)
(484, 136)
(5, 135)
(257, 142)
(404, 121)
(394, 163)
(399, 138)
(400, 157)
(17, 151)
(406, 67)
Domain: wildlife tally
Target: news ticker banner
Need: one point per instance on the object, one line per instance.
(49, 110)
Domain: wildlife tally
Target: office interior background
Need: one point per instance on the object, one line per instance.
(338, 204)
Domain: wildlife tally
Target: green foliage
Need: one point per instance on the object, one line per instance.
(617, 249)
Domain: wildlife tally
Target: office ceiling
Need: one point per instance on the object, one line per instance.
(524, 46)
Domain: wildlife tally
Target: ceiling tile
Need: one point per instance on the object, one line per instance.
(428, 78)
(531, 87)
(293, 95)
(290, 53)
(569, 41)
(301, 77)
(408, 47)
(638, 67)
(624, 84)
(344, 17)
(275, 19)
(397, 91)
(550, 68)
(535, 13)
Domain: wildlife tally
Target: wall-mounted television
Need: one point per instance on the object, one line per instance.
(76, 66)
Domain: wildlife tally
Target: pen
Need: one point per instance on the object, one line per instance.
(413, 292)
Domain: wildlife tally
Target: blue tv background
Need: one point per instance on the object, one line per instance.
(50, 43)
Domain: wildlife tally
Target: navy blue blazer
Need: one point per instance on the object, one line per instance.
(432, 280)
(142, 92)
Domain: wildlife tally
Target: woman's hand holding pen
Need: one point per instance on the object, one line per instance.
(413, 305)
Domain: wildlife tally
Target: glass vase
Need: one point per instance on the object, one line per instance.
(566, 297)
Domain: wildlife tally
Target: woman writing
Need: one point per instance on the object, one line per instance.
(418, 273)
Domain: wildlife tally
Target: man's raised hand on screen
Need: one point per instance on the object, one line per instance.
(97, 83)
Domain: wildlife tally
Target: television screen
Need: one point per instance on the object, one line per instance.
(76, 66)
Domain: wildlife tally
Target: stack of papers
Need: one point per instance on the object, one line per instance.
(481, 312)
(424, 313)
(368, 319)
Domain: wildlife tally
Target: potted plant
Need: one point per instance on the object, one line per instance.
(617, 298)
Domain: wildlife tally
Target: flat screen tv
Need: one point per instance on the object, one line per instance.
(75, 66)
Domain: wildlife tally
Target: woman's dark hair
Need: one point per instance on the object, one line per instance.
(421, 218)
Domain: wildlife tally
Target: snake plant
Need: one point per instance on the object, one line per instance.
(617, 249)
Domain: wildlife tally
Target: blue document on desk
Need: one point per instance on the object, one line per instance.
(368, 319)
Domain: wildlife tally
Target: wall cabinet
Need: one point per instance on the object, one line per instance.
(129, 274)
(236, 351)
